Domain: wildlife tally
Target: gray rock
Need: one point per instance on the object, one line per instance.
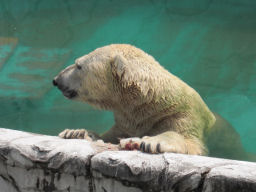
(32, 162)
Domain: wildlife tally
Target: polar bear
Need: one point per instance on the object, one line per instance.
(154, 110)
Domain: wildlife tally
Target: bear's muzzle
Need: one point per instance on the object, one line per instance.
(69, 93)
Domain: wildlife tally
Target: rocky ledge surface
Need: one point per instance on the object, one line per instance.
(31, 162)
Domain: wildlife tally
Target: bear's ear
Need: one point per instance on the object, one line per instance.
(130, 74)
(123, 71)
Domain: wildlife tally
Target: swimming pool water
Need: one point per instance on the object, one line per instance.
(209, 44)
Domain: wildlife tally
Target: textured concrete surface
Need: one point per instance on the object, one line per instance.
(209, 44)
(31, 162)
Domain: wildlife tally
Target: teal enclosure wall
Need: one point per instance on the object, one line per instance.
(210, 44)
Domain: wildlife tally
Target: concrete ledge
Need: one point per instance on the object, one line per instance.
(31, 162)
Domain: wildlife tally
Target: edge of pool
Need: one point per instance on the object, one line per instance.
(33, 162)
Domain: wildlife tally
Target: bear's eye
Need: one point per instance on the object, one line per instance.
(78, 67)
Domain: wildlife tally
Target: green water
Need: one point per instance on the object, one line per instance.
(210, 44)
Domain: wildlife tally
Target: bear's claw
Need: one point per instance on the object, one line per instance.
(144, 145)
(158, 148)
(75, 134)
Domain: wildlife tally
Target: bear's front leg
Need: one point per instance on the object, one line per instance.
(79, 134)
(165, 142)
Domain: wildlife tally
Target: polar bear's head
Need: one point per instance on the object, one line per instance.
(87, 79)
(109, 74)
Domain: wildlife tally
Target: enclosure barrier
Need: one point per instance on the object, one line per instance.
(31, 162)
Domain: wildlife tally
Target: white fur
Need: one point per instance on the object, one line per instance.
(146, 99)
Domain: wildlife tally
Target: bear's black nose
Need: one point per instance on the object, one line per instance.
(54, 82)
